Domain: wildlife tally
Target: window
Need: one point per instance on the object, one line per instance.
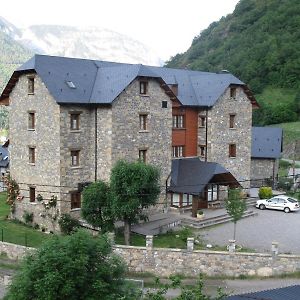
(143, 155)
(232, 150)
(143, 122)
(75, 200)
(202, 121)
(181, 200)
(186, 200)
(30, 85)
(202, 151)
(74, 124)
(164, 104)
(31, 194)
(178, 121)
(31, 120)
(178, 151)
(233, 92)
(143, 87)
(31, 155)
(232, 121)
(75, 158)
(175, 199)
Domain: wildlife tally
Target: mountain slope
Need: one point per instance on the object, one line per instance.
(12, 53)
(259, 42)
(89, 42)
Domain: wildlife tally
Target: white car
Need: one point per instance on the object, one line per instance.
(280, 202)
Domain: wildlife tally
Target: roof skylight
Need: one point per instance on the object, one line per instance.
(70, 84)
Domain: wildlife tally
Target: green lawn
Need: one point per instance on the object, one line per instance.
(16, 233)
(291, 131)
(271, 95)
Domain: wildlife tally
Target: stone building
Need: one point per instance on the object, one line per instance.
(265, 153)
(72, 119)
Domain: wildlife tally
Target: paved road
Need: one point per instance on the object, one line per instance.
(258, 232)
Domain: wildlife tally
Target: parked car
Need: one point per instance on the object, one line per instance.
(280, 202)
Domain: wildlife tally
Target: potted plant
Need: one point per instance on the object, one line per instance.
(200, 214)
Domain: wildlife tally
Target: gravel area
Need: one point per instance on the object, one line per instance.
(260, 231)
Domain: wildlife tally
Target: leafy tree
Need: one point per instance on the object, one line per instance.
(68, 224)
(71, 267)
(96, 208)
(235, 206)
(134, 186)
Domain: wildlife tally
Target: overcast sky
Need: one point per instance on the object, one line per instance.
(167, 26)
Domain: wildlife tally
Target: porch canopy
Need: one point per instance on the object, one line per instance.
(191, 176)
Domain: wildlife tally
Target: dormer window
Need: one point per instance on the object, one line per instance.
(143, 87)
(30, 85)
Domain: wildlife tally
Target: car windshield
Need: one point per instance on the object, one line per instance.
(292, 200)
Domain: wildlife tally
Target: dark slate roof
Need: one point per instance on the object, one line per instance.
(101, 82)
(266, 142)
(191, 175)
(4, 157)
(286, 293)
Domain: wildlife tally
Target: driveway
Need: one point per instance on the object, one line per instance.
(260, 231)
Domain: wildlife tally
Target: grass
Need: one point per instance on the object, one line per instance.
(291, 131)
(271, 95)
(15, 232)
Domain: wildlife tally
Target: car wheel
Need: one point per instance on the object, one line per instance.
(286, 210)
(262, 206)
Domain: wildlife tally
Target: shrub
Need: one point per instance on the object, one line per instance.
(28, 217)
(285, 183)
(265, 192)
(68, 224)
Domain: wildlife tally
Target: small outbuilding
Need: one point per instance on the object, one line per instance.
(265, 153)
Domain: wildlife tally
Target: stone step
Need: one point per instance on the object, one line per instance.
(214, 220)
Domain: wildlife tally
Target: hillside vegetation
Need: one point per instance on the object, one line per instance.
(259, 42)
(12, 55)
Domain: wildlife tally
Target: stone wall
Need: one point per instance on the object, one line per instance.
(128, 139)
(44, 174)
(263, 169)
(220, 135)
(164, 262)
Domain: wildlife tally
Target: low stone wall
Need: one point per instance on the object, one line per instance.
(189, 262)
(14, 251)
(164, 262)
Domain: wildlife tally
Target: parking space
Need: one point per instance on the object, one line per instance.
(260, 231)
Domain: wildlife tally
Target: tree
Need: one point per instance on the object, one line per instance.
(96, 206)
(134, 187)
(72, 267)
(235, 206)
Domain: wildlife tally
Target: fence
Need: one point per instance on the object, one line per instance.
(16, 237)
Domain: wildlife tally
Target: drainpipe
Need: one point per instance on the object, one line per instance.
(166, 198)
(206, 122)
(96, 142)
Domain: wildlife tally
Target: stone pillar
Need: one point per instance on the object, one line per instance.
(231, 246)
(149, 241)
(274, 249)
(190, 244)
(111, 238)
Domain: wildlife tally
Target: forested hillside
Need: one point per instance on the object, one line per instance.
(259, 42)
(12, 55)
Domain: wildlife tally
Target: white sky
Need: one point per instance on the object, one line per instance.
(167, 26)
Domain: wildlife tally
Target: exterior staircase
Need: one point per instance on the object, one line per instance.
(207, 222)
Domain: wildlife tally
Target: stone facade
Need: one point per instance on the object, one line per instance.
(44, 174)
(128, 139)
(220, 135)
(105, 135)
(262, 169)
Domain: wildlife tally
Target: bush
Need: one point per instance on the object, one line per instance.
(285, 184)
(265, 192)
(68, 224)
(28, 217)
(75, 267)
